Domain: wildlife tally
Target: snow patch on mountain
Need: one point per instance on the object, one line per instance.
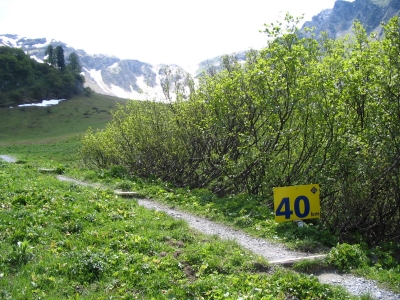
(41, 45)
(114, 68)
(37, 59)
(119, 92)
(10, 42)
(145, 92)
(96, 75)
(191, 69)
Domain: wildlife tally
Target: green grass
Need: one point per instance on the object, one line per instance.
(248, 213)
(59, 240)
(49, 136)
(49, 154)
(26, 125)
(387, 278)
(311, 266)
(376, 264)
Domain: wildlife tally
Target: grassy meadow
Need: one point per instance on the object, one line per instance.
(52, 134)
(59, 240)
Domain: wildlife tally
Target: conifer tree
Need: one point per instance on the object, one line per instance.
(73, 63)
(59, 51)
(50, 55)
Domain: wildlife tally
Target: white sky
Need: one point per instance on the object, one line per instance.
(183, 32)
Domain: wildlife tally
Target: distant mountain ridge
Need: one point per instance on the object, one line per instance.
(104, 74)
(338, 21)
(124, 78)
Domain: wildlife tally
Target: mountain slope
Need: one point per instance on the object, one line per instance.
(338, 21)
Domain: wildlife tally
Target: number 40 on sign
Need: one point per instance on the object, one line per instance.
(297, 202)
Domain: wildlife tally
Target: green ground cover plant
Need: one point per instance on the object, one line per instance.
(245, 212)
(376, 263)
(346, 257)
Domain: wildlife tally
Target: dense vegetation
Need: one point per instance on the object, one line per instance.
(24, 80)
(299, 111)
(33, 269)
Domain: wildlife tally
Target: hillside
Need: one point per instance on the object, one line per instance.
(24, 80)
(67, 119)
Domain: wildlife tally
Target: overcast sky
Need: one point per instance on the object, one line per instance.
(184, 32)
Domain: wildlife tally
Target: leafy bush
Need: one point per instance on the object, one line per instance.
(386, 256)
(117, 171)
(346, 257)
(89, 266)
(311, 237)
(300, 110)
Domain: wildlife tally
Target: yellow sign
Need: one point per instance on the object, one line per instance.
(297, 202)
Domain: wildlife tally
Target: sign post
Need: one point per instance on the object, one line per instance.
(297, 202)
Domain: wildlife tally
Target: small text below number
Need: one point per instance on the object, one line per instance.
(297, 202)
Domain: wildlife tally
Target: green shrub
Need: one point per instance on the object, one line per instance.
(124, 185)
(60, 169)
(117, 172)
(346, 257)
(234, 129)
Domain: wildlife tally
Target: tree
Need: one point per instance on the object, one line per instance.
(74, 64)
(55, 57)
(59, 51)
(50, 55)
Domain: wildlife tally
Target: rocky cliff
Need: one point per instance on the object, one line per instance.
(338, 21)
